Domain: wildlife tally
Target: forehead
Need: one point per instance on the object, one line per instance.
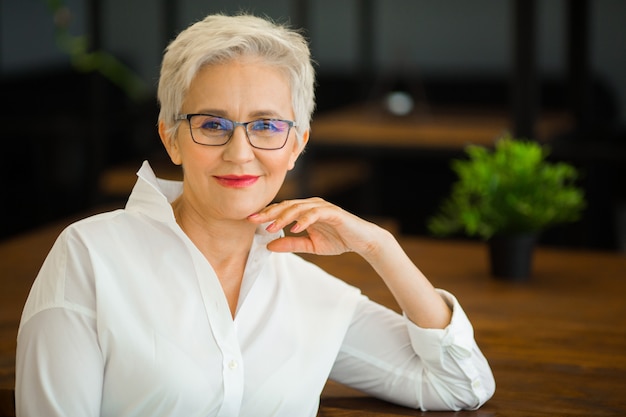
(247, 84)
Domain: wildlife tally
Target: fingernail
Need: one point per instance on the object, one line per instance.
(296, 228)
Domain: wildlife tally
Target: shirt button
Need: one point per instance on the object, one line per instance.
(232, 365)
(476, 384)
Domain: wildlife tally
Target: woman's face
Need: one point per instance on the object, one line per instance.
(234, 180)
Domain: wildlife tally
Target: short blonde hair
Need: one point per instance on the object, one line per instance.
(219, 38)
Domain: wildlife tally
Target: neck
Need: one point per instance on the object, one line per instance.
(221, 241)
(224, 243)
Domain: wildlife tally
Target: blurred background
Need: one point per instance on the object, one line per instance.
(78, 81)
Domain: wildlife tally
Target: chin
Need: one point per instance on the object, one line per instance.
(243, 205)
(240, 212)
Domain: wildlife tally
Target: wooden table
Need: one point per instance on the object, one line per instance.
(556, 344)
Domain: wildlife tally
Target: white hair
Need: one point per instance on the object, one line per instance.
(220, 38)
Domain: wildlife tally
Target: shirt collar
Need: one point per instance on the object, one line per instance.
(153, 196)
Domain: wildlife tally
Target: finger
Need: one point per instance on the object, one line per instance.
(304, 213)
(300, 244)
(305, 216)
(273, 210)
(263, 215)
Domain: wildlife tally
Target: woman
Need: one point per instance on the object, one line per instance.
(189, 301)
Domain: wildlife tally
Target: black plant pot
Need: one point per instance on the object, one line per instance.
(511, 256)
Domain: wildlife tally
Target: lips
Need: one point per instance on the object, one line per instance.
(236, 181)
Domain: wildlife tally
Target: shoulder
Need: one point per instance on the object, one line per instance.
(67, 276)
(112, 230)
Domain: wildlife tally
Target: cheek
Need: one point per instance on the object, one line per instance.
(279, 165)
(276, 168)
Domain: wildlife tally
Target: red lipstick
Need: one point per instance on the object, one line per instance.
(236, 181)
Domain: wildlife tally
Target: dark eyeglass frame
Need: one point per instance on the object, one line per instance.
(189, 116)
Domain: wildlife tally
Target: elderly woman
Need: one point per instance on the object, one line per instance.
(190, 300)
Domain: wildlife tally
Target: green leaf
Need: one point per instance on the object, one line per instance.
(511, 188)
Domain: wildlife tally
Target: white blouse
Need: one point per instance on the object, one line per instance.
(127, 318)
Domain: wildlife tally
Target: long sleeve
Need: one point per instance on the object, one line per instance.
(58, 354)
(387, 356)
(59, 364)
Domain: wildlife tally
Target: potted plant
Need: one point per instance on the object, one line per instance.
(507, 196)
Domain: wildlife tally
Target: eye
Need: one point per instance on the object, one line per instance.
(212, 123)
(269, 126)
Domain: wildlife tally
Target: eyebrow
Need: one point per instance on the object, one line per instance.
(259, 114)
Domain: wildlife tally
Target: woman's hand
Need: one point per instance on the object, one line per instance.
(330, 230)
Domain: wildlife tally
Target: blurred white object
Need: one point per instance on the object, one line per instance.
(399, 103)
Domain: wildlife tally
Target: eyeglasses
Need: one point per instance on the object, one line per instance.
(210, 130)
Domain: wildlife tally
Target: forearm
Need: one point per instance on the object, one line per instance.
(439, 369)
(413, 292)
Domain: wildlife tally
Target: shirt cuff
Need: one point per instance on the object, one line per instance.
(456, 339)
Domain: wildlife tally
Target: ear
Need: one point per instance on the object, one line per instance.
(298, 148)
(170, 142)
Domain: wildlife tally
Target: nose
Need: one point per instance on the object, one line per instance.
(238, 148)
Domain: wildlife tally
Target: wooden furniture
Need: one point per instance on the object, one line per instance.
(404, 151)
(557, 344)
(369, 126)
